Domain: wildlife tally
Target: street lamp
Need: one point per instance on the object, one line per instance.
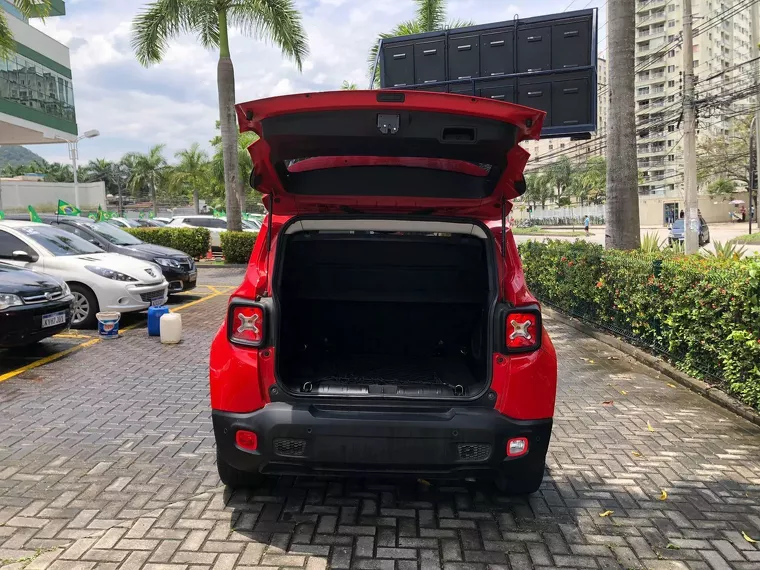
(74, 155)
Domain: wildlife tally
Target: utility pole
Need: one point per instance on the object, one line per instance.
(622, 207)
(756, 68)
(691, 222)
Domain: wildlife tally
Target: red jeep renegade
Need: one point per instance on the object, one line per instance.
(384, 326)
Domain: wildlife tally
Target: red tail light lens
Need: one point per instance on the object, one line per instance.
(245, 324)
(522, 330)
(246, 439)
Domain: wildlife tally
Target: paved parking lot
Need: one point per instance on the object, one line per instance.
(107, 461)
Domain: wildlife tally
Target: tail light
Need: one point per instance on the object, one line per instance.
(246, 324)
(522, 329)
(247, 439)
(516, 446)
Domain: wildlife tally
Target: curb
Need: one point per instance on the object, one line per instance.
(224, 266)
(702, 388)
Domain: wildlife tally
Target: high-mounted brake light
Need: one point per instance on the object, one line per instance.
(522, 330)
(245, 324)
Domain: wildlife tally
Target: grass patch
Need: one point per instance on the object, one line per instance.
(538, 231)
(749, 238)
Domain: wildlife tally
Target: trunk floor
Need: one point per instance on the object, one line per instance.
(383, 369)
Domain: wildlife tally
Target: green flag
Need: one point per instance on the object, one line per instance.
(2, 215)
(33, 217)
(151, 215)
(99, 215)
(66, 209)
(91, 216)
(142, 215)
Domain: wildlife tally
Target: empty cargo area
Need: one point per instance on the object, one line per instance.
(384, 313)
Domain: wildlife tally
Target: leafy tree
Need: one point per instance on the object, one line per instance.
(588, 182)
(347, 86)
(148, 170)
(101, 169)
(725, 156)
(192, 172)
(430, 16)
(559, 176)
(721, 188)
(29, 9)
(537, 190)
(274, 20)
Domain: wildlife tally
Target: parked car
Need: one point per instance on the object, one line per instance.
(677, 232)
(123, 222)
(164, 221)
(215, 226)
(149, 223)
(178, 267)
(99, 281)
(32, 306)
(394, 333)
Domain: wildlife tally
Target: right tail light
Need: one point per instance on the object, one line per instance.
(522, 329)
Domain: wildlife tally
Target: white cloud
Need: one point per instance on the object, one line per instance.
(175, 102)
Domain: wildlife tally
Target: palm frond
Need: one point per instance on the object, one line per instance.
(161, 21)
(431, 14)
(451, 24)
(7, 44)
(276, 20)
(403, 29)
(33, 8)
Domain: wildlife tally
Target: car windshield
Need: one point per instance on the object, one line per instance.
(113, 234)
(130, 223)
(59, 242)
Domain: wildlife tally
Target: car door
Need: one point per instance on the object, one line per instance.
(10, 244)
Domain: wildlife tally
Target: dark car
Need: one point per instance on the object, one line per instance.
(677, 232)
(178, 267)
(32, 306)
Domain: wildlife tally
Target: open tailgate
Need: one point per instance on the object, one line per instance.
(388, 151)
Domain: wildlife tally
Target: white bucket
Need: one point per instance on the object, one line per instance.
(171, 328)
(108, 324)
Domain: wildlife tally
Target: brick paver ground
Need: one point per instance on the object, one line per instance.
(107, 461)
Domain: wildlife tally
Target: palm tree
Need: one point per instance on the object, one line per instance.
(28, 9)
(244, 162)
(192, 172)
(147, 170)
(430, 16)
(348, 86)
(559, 176)
(100, 169)
(274, 20)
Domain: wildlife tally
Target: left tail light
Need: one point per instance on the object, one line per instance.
(522, 329)
(246, 324)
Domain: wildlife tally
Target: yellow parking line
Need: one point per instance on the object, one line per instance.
(73, 335)
(191, 303)
(47, 359)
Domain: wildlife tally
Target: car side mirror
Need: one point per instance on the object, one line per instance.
(20, 255)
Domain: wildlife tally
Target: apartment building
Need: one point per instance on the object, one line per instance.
(546, 151)
(721, 42)
(36, 93)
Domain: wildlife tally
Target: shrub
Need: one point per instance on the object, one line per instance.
(703, 313)
(237, 246)
(193, 241)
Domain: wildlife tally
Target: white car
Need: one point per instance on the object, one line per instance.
(213, 224)
(98, 280)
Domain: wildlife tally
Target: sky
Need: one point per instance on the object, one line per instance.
(175, 102)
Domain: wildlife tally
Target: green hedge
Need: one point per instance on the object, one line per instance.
(193, 241)
(237, 246)
(703, 313)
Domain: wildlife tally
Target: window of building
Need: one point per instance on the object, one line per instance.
(671, 83)
(671, 128)
(562, 145)
(672, 53)
(672, 24)
(551, 147)
(671, 98)
(671, 158)
(671, 8)
(28, 83)
(671, 68)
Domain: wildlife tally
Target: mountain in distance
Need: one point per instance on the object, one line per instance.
(17, 156)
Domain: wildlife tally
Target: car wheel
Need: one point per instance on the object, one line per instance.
(84, 308)
(235, 478)
(523, 483)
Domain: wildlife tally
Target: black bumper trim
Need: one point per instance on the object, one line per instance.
(388, 442)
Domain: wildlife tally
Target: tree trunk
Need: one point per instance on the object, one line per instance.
(242, 192)
(622, 208)
(225, 78)
(153, 195)
(196, 202)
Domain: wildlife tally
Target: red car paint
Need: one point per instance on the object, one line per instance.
(240, 377)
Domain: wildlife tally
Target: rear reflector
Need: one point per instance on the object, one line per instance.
(246, 439)
(517, 447)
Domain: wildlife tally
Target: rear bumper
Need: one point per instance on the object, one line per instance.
(457, 442)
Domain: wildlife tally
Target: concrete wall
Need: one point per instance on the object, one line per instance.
(17, 195)
(714, 210)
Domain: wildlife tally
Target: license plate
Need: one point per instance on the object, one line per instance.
(158, 302)
(53, 319)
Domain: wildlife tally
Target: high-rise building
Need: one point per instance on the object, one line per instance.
(545, 151)
(36, 93)
(721, 43)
